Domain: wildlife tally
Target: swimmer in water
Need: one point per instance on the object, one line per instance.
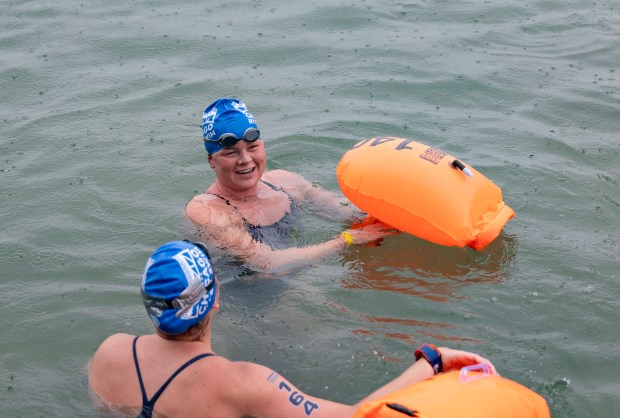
(247, 210)
(176, 373)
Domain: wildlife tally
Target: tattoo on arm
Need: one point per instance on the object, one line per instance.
(295, 397)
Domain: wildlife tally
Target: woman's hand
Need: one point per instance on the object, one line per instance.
(369, 232)
(457, 359)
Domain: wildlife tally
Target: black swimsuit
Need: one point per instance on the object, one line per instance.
(149, 404)
(273, 234)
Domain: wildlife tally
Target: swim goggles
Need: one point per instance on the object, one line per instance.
(228, 140)
(186, 300)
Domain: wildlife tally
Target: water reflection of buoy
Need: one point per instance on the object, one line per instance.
(455, 394)
(423, 191)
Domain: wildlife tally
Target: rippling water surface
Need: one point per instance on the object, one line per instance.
(100, 151)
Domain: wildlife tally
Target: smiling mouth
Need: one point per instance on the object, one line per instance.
(248, 171)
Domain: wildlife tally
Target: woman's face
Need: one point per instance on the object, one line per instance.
(239, 168)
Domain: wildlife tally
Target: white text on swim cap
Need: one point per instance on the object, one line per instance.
(194, 300)
(207, 123)
(241, 107)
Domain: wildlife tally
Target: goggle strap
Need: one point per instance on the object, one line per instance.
(163, 304)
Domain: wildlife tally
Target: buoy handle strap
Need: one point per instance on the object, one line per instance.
(459, 165)
(404, 410)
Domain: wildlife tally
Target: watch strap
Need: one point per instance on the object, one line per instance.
(430, 353)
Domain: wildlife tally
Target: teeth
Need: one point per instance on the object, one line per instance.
(246, 171)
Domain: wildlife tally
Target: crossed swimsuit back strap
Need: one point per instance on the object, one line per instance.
(148, 405)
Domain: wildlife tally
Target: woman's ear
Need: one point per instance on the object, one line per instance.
(211, 163)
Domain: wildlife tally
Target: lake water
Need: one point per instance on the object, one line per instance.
(100, 150)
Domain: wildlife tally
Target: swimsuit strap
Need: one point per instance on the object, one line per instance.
(145, 400)
(270, 185)
(278, 189)
(254, 230)
(234, 208)
(149, 404)
(250, 225)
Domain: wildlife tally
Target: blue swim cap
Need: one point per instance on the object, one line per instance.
(178, 286)
(225, 116)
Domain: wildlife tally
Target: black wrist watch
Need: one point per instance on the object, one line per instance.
(431, 353)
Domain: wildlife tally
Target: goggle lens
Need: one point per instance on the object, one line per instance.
(230, 140)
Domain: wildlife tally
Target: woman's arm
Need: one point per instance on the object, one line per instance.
(301, 189)
(221, 227)
(421, 370)
(259, 391)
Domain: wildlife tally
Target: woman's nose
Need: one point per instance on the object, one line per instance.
(244, 157)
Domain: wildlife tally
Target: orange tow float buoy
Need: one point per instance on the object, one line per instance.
(423, 191)
(449, 395)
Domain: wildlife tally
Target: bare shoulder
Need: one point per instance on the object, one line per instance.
(248, 368)
(207, 209)
(247, 380)
(240, 377)
(293, 183)
(112, 358)
(230, 388)
(282, 177)
(109, 352)
(114, 342)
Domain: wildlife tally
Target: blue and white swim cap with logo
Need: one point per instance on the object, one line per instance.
(178, 286)
(225, 116)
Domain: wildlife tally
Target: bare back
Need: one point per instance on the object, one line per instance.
(211, 387)
(114, 380)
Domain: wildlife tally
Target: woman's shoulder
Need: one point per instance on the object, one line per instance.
(107, 354)
(285, 179)
(114, 340)
(209, 209)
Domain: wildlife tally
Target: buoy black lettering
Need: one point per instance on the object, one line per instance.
(403, 144)
(379, 141)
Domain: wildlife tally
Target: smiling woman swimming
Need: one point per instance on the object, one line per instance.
(250, 212)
